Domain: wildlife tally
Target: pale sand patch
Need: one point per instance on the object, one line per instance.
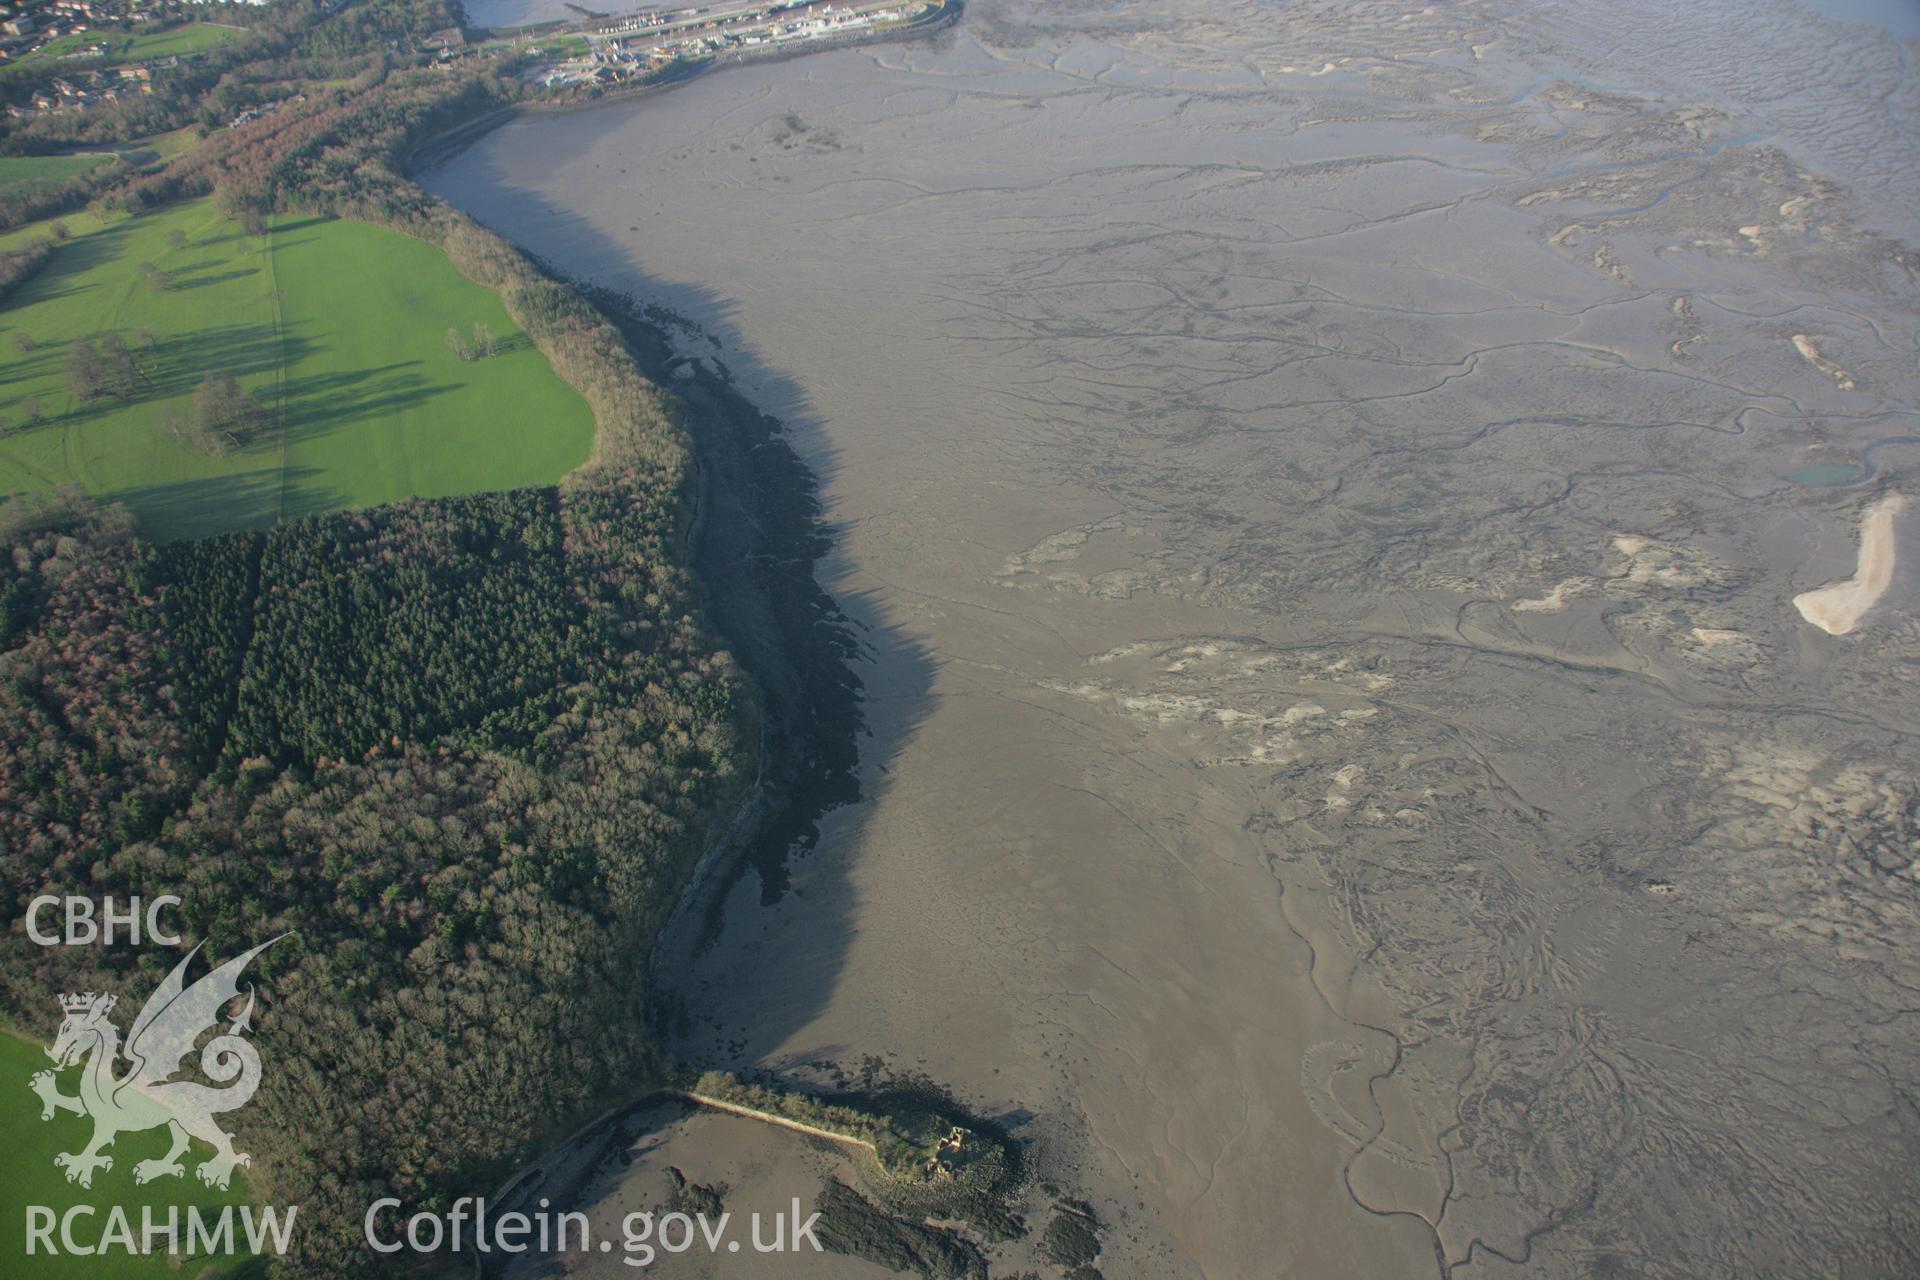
(1660, 564)
(1838, 607)
(1804, 344)
(1555, 599)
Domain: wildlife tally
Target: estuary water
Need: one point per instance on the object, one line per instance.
(1346, 779)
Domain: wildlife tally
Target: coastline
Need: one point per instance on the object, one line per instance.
(754, 546)
(438, 148)
(756, 506)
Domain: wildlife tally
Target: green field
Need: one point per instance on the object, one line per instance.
(43, 172)
(79, 221)
(29, 1177)
(141, 45)
(338, 328)
(17, 172)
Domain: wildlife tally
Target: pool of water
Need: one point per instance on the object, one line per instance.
(1828, 474)
(1848, 473)
(1902, 17)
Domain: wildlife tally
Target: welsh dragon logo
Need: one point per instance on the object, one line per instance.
(146, 1097)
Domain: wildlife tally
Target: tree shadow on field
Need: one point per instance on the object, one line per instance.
(321, 402)
(70, 261)
(42, 361)
(225, 237)
(174, 366)
(200, 282)
(184, 360)
(180, 362)
(171, 367)
(219, 504)
(205, 264)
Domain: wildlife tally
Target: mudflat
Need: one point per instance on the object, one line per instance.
(1344, 780)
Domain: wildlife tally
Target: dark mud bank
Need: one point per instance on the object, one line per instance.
(754, 546)
(756, 542)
